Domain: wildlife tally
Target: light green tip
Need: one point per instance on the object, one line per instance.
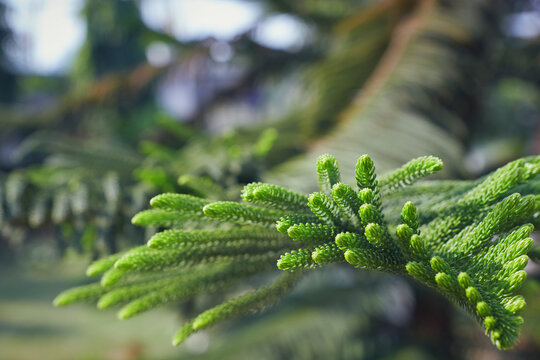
(62, 299)
(464, 280)
(374, 233)
(483, 309)
(183, 333)
(364, 162)
(212, 210)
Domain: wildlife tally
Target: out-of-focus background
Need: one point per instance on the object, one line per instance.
(104, 104)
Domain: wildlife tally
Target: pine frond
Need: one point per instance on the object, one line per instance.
(241, 213)
(179, 202)
(297, 259)
(90, 292)
(274, 197)
(410, 172)
(207, 279)
(285, 222)
(164, 218)
(178, 238)
(311, 233)
(255, 300)
(471, 246)
(454, 252)
(328, 173)
(98, 267)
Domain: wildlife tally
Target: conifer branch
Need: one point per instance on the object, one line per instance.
(328, 173)
(410, 172)
(274, 197)
(467, 239)
(255, 300)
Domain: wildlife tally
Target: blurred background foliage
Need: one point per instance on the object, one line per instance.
(104, 104)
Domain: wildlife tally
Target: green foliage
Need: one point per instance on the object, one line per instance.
(326, 320)
(471, 245)
(93, 188)
(254, 300)
(473, 250)
(411, 172)
(418, 95)
(403, 71)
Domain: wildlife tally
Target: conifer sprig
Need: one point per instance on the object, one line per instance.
(473, 250)
(467, 239)
(410, 172)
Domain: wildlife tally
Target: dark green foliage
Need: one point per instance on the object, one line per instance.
(471, 245)
(91, 189)
(8, 78)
